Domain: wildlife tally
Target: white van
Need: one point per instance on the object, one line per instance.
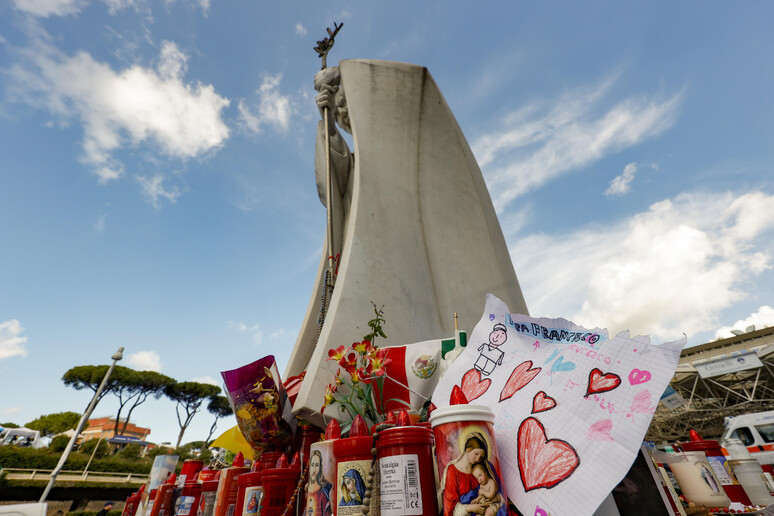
(756, 431)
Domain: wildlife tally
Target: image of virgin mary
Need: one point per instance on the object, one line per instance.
(352, 488)
(460, 487)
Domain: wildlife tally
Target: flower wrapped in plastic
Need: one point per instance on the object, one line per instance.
(260, 404)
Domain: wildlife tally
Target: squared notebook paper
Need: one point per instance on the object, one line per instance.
(572, 405)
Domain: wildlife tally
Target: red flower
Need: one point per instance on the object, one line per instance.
(361, 376)
(329, 396)
(348, 360)
(336, 354)
(364, 348)
(378, 362)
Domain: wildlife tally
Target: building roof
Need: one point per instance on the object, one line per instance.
(722, 378)
(107, 424)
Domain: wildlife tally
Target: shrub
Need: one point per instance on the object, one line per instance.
(59, 443)
(12, 457)
(88, 447)
(130, 452)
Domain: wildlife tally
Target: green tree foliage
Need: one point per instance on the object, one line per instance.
(189, 397)
(158, 450)
(89, 377)
(219, 407)
(135, 388)
(52, 424)
(131, 387)
(183, 452)
(88, 448)
(130, 452)
(9, 425)
(59, 443)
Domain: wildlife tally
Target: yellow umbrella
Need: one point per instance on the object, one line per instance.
(233, 440)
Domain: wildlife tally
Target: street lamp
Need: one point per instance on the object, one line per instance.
(118, 355)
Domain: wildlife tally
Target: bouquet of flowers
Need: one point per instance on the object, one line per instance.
(361, 375)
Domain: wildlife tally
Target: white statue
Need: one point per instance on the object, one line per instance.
(412, 221)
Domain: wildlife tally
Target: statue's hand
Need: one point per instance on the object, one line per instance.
(326, 99)
(329, 76)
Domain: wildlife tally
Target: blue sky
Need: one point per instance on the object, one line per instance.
(157, 182)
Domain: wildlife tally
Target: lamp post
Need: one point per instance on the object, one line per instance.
(118, 355)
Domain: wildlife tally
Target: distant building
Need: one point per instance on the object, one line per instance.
(722, 378)
(104, 428)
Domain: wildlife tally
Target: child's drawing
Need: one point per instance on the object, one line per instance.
(542, 402)
(543, 462)
(491, 355)
(472, 385)
(521, 376)
(599, 382)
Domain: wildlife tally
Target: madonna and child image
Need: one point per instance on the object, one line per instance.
(471, 478)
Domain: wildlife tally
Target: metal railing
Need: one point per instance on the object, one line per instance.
(74, 476)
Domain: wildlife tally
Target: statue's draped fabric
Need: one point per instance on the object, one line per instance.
(413, 223)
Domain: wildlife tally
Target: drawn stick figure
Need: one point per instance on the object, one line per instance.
(491, 355)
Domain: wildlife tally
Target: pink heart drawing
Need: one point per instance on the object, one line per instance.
(599, 382)
(543, 462)
(521, 376)
(472, 384)
(641, 403)
(600, 431)
(542, 402)
(637, 376)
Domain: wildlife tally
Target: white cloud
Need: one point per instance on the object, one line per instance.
(123, 108)
(763, 318)
(254, 330)
(273, 108)
(301, 30)
(46, 8)
(154, 188)
(206, 379)
(12, 410)
(99, 226)
(535, 146)
(622, 184)
(145, 361)
(11, 341)
(663, 272)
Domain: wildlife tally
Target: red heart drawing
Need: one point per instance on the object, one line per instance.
(543, 462)
(521, 376)
(542, 402)
(472, 384)
(599, 382)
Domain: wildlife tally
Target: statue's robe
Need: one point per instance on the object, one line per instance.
(414, 225)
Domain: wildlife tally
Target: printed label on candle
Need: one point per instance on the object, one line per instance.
(253, 501)
(401, 492)
(185, 504)
(722, 471)
(351, 488)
